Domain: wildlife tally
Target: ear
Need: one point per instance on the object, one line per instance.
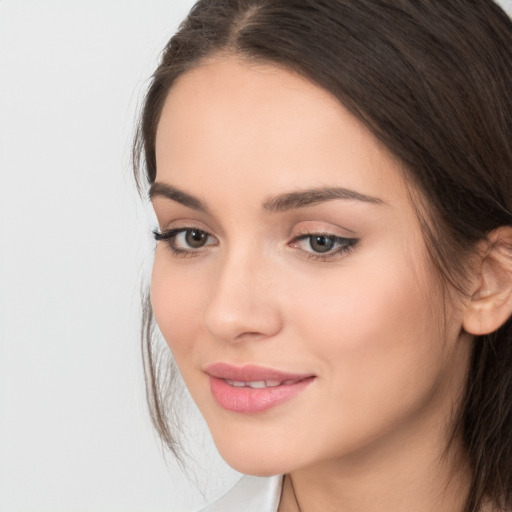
(490, 305)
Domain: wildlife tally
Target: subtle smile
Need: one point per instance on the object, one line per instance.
(252, 389)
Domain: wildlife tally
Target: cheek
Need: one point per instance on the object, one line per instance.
(376, 297)
(177, 300)
(374, 333)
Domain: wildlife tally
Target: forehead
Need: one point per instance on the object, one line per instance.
(258, 126)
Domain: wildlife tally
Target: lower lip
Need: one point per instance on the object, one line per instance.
(251, 400)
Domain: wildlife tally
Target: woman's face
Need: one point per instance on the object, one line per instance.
(292, 281)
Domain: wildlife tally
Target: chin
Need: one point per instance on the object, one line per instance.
(256, 467)
(257, 459)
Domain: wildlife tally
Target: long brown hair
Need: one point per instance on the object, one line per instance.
(432, 79)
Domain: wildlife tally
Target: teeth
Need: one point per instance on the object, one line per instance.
(257, 384)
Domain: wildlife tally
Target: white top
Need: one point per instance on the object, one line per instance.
(250, 494)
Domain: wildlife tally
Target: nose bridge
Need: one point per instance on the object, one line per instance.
(243, 301)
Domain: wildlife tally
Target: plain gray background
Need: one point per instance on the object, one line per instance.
(75, 247)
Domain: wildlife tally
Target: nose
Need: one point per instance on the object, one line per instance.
(243, 304)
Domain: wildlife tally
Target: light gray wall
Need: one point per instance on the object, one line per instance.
(74, 239)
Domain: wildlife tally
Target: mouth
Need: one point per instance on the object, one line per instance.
(253, 389)
(260, 384)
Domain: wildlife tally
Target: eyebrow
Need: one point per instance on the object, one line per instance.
(175, 194)
(279, 203)
(308, 197)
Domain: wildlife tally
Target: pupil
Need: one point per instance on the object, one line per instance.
(195, 238)
(321, 243)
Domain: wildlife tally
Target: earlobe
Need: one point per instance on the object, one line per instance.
(490, 304)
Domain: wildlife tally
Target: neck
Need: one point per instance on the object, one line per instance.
(395, 475)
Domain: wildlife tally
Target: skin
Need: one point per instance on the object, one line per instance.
(372, 324)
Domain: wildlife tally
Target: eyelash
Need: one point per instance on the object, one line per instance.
(345, 244)
(169, 237)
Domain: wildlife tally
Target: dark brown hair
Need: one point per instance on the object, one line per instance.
(432, 79)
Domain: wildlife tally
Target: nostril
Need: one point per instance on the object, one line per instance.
(250, 334)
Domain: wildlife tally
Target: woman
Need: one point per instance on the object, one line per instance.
(333, 272)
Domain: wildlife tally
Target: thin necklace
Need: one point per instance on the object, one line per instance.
(294, 494)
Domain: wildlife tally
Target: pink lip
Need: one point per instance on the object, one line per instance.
(252, 400)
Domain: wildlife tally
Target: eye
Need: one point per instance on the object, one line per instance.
(186, 241)
(322, 246)
(194, 238)
(321, 243)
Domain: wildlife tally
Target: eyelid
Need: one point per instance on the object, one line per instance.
(169, 237)
(342, 244)
(322, 228)
(345, 245)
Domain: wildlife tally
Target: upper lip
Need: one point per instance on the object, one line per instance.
(251, 373)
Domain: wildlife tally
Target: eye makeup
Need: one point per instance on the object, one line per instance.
(185, 241)
(314, 245)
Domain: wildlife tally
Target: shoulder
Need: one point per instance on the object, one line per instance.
(254, 493)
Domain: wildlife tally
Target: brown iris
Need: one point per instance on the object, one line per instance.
(321, 243)
(196, 238)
